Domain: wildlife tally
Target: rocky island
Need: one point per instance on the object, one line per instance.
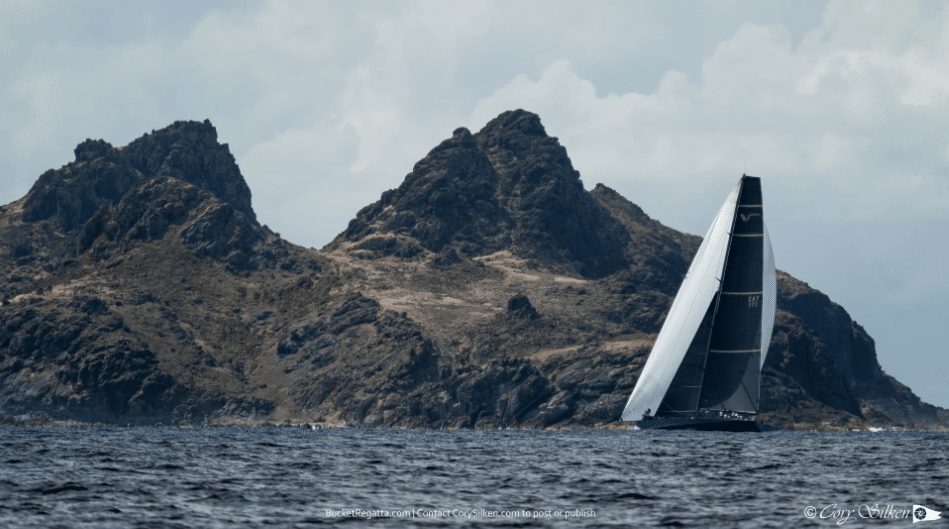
(490, 289)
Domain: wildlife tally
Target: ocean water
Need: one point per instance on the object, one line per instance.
(292, 477)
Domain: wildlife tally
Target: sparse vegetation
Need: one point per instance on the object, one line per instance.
(488, 290)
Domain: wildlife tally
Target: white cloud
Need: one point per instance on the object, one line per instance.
(818, 115)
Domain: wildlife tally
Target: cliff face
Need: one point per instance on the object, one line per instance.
(489, 289)
(100, 326)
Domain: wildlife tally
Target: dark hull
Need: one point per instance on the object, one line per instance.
(704, 425)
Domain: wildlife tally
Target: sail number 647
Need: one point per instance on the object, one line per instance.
(753, 301)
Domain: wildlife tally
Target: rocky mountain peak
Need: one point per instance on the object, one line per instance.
(91, 149)
(516, 131)
(523, 153)
(508, 187)
(186, 150)
(447, 201)
(189, 151)
(607, 194)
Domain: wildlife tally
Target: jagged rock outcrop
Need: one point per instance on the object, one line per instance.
(95, 329)
(656, 256)
(210, 228)
(79, 360)
(356, 357)
(488, 290)
(186, 150)
(71, 195)
(189, 151)
(508, 187)
(448, 200)
(556, 220)
(520, 307)
(819, 350)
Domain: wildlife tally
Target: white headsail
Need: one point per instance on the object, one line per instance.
(691, 303)
(769, 299)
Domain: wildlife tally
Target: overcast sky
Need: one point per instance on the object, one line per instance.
(841, 107)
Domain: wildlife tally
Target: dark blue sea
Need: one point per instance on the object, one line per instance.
(293, 477)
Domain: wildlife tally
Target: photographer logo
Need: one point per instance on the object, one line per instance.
(922, 514)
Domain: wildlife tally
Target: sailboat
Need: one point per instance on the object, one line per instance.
(704, 370)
